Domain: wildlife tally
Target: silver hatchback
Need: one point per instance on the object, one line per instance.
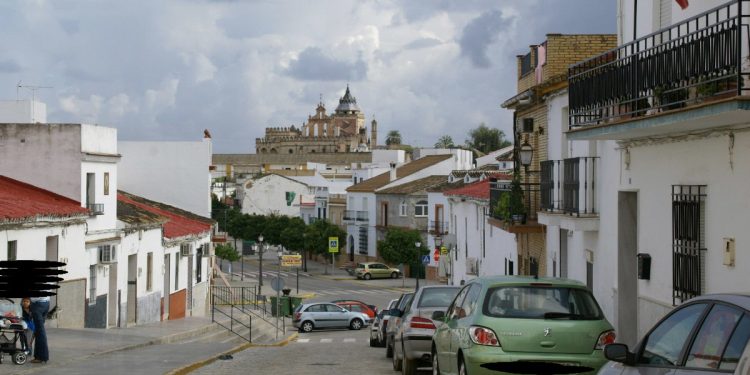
(412, 342)
(311, 316)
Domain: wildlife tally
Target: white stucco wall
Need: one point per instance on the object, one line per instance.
(267, 195)
(363, 202)
(23, 111)
(175, 173)
(108, 220)
(31, 244)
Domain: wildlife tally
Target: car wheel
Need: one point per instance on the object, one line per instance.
(388, 349)
(408, 367)
(367, 276)
(356, 324)
(394, 275)
(461, 366)
(396, 361)
(435, 365)
(307, 326)
(19, 358)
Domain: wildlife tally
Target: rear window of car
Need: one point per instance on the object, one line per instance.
(533, 302)
(360, 265)
(437, 297)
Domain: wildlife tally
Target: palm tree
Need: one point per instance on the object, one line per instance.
(445, 142)
(393, 138)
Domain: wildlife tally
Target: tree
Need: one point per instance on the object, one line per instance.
(393, 138)
(316, 237)
(486, 139)
(293, 238)
(445, 142)
(228, 253)
(398, 246)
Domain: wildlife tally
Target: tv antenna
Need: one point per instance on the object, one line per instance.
(33, 89)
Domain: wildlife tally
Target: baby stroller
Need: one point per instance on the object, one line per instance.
(12, 332)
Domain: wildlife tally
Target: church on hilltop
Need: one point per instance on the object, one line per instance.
(342, 131)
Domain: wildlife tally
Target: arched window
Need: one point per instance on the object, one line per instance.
(420, 209)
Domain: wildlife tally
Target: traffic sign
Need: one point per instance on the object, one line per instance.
(277, 283)
(443, 250)
(436, 255)
(293, 260)
(333, 244)
(425, 259)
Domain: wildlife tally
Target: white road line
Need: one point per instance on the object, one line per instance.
(303, 341)
(326, 341)
(350, 340)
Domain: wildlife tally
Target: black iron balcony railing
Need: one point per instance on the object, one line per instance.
(353, 215)
(500, 196)
(95, 208)
(438, 227)
(698, 59)
(568, 186)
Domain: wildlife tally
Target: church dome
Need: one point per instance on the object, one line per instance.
(348, 102)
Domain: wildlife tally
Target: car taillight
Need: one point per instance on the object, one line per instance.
(297, 315)
(483, 336)
(419, 322)
(605, 338)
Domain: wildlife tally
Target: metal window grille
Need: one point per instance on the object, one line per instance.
(547, 184)
(363, 239)
(688, 247)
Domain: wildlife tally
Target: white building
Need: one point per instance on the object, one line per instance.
(175, 173)
(274, 194)
(673, 180)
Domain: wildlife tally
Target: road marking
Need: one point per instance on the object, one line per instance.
(326, 340)
(350, 340)
(303, 340)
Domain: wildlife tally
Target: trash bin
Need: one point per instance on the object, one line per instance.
(296, 301)
(285, 306)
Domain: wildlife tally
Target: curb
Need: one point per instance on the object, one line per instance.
(196, 365)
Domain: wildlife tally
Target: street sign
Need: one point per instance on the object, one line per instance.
(436, 255)
(443, 250)
(333, 244)
(294, 260)
(425, 259)
(277, 283)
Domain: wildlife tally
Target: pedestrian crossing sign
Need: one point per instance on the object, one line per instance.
(426, 259)
(333, 244)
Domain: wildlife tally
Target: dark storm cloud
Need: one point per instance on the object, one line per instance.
(9, 66)
(313, 65)
(479, 34)
(423, 43)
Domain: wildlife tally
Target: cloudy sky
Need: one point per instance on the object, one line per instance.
(166, 70)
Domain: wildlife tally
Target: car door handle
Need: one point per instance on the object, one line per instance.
(547, 344)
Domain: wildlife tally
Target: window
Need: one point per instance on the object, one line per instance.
(420, 209)
(709, 344)
(199, 264)
(316, 308)
(106, 183)
(664, 344)
(528, 125)
(688, 248)
(149, 271)
(90, 189)
(92, 285)
(177, 271)
(12, 250)
(402, 209)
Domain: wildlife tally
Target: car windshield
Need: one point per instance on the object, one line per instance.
(437, 297)
(534, 302)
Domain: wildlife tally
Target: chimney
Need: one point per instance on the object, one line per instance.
(393, 171)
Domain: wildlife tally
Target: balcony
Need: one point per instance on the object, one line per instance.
(352, 215)
(683, 78)
(500, 217)
(438, 228)
(568, 188)
(95, 209)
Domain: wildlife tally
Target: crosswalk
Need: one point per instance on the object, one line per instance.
(347, 340)
(270, 275)
(336, 292)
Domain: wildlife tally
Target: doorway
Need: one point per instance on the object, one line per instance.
(165, 293)
(112, 298)
(132, 288)
(627, 281)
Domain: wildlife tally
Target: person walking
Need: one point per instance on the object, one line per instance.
(39, 310)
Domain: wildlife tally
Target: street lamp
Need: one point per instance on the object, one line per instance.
(419, 261)
(260, 255)
(279, 253)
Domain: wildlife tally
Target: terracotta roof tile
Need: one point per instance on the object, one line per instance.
(477, 190)
(179, 222)
(372, 184)
(415, 186)
(20, 201)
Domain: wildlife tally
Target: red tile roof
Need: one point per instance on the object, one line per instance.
(478, 190)
(20, 201)
(179, 222)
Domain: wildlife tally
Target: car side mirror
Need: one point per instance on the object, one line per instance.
(438, 315)
(618, 353)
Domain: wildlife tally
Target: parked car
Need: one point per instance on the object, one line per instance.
(378, 325)
(311, 316)
(372, 270)
(373, 307)
(706, 335)
(511, 324)
(411, 342)
(394, 321)
(358, 306)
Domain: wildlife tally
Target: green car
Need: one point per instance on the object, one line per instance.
(373, 270)
(516, 324)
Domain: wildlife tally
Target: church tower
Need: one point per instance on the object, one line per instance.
(373, 134)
